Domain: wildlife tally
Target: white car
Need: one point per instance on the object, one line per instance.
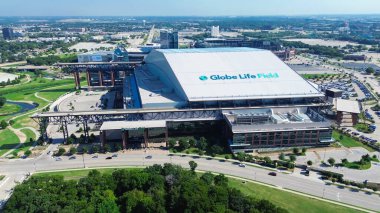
(58, 159)
(242, 165)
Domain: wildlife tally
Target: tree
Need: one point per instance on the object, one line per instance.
(215, 149)
(183, 144)
(84, 150)
(309, 162)
(208, 178)
(61, 151)
(296, 150)
(282, 156)
(192, 142)
(2, 101)
(220, 180)
(171, 143)
(344, 161)
(240, 156)
(202, 143)
(3, 124)
(303, 150)
(72, 150)
(370, 70)
(331, 161)
(95, 149)
(193, 165)
(292, 158)
(27, 153)
(107, 148)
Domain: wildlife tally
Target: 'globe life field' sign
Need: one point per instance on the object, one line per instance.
(239, 76)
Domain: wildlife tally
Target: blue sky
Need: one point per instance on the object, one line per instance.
(185, 7)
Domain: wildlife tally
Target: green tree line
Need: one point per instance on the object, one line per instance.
(156, 189)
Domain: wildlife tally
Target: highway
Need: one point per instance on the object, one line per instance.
(16, 170)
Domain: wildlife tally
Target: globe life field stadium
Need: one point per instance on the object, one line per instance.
(248, 96)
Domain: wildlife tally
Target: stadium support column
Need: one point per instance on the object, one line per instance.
(166, 136)
(112, 78)
(65, 131)
(77, 80)
(103, 138)
(100, 74)
(146, 137)
(124, 136)
(85, 130)
(88, 75)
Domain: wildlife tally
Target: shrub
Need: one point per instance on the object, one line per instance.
(171, 143)
(72, 150)
(296, 150)
(192, 142)
(61, 151)
(309, 162)
(282, 156)
(227, 157)
(27, 152)
(183, 144)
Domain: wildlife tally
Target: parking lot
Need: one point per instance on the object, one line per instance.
(346, 87)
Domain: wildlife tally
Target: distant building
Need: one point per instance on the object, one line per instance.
(215, 31)
(102, 56)
(8, 33)
(168, 40)
(77, 30)
(355, 57)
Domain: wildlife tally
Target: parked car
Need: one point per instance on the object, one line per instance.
(114, 155)
(108, 158)
(272, 173)
(242, 165)
(72, 158)
(148, 157)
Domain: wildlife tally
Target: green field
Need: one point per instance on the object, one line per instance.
(350, 142)
(9, 109)
(54, 93)
(287, 200)
(46, 88)
(29, 134)
(7, 140)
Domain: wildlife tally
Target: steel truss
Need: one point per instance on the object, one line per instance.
(64, 119)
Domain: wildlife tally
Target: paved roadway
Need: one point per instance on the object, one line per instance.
(15, 170)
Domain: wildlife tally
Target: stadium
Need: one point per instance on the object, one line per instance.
(248, 96)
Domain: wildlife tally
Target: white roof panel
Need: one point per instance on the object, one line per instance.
(234, 73)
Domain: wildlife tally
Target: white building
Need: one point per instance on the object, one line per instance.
(215, 31)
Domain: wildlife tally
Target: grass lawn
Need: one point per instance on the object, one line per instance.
(29, 134)
(2, 177)
(350, 142)
(7, 140)
(77, 174)
(9, 109)
(361, 127)
(292, 202)
(287, 200)
(54, 93)
(357, 165)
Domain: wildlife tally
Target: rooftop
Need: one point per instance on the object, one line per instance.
(213, 74)
(347, 106)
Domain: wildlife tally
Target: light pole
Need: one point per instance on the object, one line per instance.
(84, 165)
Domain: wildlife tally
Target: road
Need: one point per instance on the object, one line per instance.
(18, 169)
